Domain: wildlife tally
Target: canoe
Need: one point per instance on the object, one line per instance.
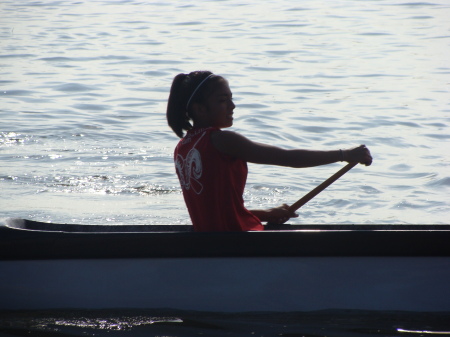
(282, 269)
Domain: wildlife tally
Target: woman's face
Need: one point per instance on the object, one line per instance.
(219, 107)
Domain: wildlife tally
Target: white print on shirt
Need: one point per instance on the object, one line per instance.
(190, 169)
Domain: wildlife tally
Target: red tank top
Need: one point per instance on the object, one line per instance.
(213, 184)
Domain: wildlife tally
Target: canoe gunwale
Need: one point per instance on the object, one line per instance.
(32, 225)
(18, 242)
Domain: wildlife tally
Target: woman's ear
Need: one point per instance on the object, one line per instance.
(198, 111)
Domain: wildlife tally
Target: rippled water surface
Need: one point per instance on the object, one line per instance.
(84, 85)
(137, 323)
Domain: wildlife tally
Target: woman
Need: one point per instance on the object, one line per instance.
(211, 164)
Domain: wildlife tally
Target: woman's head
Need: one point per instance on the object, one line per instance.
(187, 93)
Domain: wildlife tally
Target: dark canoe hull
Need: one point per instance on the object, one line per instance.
(52, 266)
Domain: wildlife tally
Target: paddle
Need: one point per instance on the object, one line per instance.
(299, 203)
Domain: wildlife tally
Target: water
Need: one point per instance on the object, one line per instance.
(336, 323)
(84, 85)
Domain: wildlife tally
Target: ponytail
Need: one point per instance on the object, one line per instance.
(177, 117)
(186, 89)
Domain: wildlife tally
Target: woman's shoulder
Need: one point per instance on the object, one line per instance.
(227, 137)
(231, 143)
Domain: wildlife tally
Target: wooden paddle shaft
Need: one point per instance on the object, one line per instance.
(321, 187)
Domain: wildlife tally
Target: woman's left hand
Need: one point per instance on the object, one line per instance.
(359, 154)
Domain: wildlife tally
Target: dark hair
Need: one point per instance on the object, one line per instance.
(178, 113)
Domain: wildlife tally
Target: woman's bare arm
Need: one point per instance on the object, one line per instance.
(236, 145)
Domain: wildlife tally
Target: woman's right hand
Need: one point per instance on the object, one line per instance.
(277, 215)
(359, 154)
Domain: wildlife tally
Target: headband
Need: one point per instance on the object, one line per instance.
(196, 89)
